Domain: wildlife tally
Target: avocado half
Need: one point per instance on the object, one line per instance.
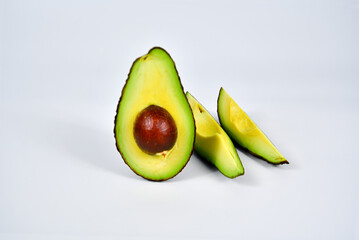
(154, 125)
(244, 131)
(213, 143)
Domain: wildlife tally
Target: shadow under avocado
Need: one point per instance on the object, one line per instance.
(87, 144)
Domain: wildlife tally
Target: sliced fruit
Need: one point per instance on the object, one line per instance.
(154, 125)
(244, 131)
(212, 142)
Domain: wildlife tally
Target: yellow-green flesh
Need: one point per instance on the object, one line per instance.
(153, 79)
(212, 142)
(244, 131)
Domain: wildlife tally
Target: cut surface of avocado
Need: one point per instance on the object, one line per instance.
(212, 142)
(154, 125)
(244, 131)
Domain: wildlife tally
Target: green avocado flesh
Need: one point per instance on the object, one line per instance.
(153, 84)
(212, 142)
(244, 131)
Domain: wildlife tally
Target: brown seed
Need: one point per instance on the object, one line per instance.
(155, 130)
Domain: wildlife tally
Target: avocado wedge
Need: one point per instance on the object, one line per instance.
(244, 131)
(212, 142)
(154, 125)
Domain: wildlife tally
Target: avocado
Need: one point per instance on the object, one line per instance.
(212, 142)
(244, 131)
(154, 124)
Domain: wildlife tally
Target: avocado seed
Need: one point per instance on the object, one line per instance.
(155, 130)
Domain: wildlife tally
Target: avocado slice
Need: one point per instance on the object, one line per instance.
(154, 125)
(213, 143)
(244, 131)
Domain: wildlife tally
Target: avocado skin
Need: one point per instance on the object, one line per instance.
(117, 115)
(236, 143)
(254, 154)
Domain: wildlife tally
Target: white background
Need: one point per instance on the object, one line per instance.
(291, 65)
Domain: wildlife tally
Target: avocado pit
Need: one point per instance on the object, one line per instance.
(155, 130)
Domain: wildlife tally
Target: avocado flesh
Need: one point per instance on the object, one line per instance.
(212, 142)
(244, 131)
(153, 80)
